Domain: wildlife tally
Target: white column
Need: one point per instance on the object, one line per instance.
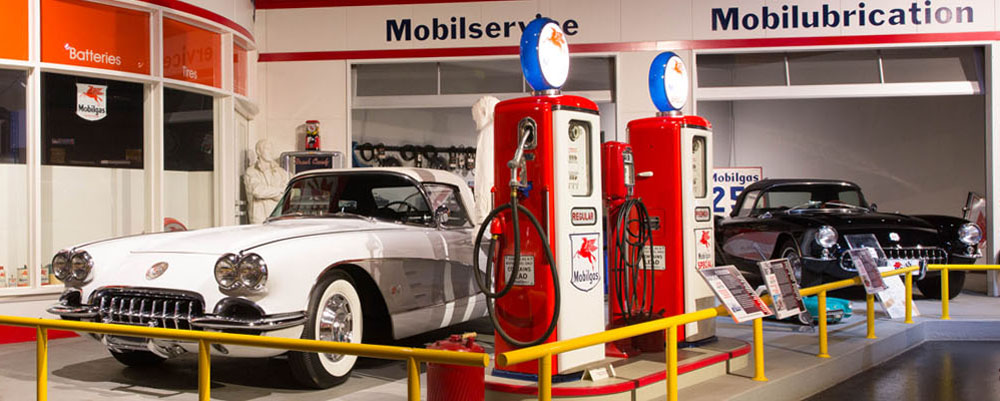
(991, 77)
(152, 137)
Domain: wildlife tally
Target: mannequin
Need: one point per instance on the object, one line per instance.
(482, 113)
(265, 182)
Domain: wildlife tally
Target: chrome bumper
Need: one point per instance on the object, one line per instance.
(266, 323)
(80, 312)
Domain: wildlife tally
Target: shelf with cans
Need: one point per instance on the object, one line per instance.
(458, 159)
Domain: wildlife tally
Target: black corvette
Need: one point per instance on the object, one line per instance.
(809, 218)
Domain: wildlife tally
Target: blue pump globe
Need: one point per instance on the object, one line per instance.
(668, 82)
(544, 55)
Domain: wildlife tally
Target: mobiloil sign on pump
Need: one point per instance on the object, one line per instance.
(673, 163)
(549, 280)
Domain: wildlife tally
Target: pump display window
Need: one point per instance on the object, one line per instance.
(92, 182)
(13, 174)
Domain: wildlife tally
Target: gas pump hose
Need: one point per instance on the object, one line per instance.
(630, 246)
(484, 283)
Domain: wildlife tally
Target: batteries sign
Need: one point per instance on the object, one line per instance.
(735, 293)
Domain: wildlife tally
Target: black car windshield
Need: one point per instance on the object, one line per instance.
(809, 197)
(381, 196)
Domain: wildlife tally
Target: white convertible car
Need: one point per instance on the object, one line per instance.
(353, 255)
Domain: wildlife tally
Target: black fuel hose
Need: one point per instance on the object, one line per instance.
(484, 286)
(635, 235)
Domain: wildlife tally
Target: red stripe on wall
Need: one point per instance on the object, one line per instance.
(14, 334)
(274, 4)
(201, 12)
(637, 46)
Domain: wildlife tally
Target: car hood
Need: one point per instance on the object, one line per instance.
(220, 240)
(864, 220)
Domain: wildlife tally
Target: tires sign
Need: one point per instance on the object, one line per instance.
(729, 183)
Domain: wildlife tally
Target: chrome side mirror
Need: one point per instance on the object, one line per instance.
(442, 214)
(873, 207)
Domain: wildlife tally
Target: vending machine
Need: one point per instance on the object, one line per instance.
(549, 278)
(673, 165)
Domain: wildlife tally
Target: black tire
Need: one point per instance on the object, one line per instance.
(336, 291)
(137, 359)
(788, 250)
(931, 286)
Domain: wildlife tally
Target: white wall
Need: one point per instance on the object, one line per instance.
(13, 219)
(239, 11)
(915, 154)
(187, 197)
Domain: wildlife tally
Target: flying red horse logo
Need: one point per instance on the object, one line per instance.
(557, 39)
(705, 236)
(94, 93)
(587, 250)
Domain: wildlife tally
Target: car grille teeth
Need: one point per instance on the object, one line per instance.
(930, 255)
(150, 309)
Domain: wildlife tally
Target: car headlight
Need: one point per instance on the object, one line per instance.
(80, 265)
(970, 234)
(252, 272)
(226, 272)
(61, 266)
(826, 236)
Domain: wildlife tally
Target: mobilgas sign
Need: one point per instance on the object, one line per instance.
(789, 16)
(454, 28)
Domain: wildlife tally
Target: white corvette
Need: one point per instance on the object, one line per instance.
(354, 255)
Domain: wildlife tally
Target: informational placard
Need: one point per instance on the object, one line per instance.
(728, 184)
(864, 262)
(735, 293)
(90, 34)
(783, 287)
(893, 298)
(240, 72)
(657, 257)
(525, 269)
(14, 29)
(191, 53)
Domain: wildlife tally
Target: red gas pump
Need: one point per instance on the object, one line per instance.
(673, 162)
(547, 154)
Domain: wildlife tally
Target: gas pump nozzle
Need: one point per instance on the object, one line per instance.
(526, 129)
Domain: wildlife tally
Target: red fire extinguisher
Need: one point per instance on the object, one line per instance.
(454, 382)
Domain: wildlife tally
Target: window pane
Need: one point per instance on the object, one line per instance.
(721, 70)
(820, 68)
(931, 64)
(13, 175)
(492, 76)
(447, 196)
(91, 122)
(396, 79)
(188, 142)
(590, 73)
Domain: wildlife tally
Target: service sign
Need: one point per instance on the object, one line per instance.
(735, 293)
(729, 183)
(88, 34)
(191, 54)
(91, 101)
(783, 287)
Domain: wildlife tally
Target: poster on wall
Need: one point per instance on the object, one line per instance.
(735, 293)
(91, 101)
(728, 184)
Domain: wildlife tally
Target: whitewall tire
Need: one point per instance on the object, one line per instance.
(335, 314)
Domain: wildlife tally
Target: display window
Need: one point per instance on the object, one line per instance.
(88, 34)
(240, 72)
(188, 158)
(13, 174)
(191, 54)
(14, 29)
(91, 122)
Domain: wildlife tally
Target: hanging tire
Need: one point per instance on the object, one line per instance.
(930, 286)
(335, 314)
(137, 359)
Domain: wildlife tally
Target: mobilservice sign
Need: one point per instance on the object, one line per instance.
(458, 28)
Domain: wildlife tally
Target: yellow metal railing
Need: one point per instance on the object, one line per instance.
(413, 356)
(543, 353)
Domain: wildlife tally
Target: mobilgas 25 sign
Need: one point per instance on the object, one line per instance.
(729, 183)
(455, 28)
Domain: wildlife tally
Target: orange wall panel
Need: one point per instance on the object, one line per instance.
(14, 29)
(191, 54)
(88, 34)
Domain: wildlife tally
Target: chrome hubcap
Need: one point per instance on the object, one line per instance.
(336, 323)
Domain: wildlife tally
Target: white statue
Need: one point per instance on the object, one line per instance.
(482, 112)
(265, 182)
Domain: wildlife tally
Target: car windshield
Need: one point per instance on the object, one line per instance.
(794, 198)
(366, 195)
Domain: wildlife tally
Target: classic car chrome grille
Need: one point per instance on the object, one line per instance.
(931, 255)
(151, 308)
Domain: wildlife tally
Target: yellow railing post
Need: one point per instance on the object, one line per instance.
(672, 363)
(758, 350)
(870, 302)
(944, 294)
(42, 364)
(545, 378)
(909, 298)
(204, 371)
(412, 379)
(823, 351)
